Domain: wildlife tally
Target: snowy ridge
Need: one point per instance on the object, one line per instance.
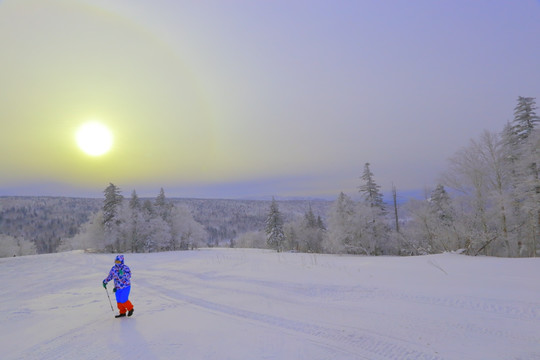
(256, 304)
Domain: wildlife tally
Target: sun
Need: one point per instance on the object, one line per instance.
(94, 138)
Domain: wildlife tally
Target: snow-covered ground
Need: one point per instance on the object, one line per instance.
(254, 304)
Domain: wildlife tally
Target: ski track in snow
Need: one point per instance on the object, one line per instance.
(511, 309)
(58, 312)
(368, 346)
(363, 343)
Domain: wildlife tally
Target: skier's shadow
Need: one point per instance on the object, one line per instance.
(133, 341)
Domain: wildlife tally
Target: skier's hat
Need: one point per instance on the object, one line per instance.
(119, 259)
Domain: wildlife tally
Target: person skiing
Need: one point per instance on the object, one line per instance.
(121, 274)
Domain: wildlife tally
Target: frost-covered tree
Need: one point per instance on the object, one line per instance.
(274, 227)
(12, 246)
(343, 232)
(420, 235)
(111, 204)
(156, 234)
(111, 220)
(480, 173)
(440, 204)
(526, 174)
(186, 233)
(525, 118)
(134, 201)
(135, 222)
(372, 215)
(91, 236)
(430, 228)
(527, 194)
(162, 206)
(370, 191)
(305, 234)
(292, 240)
(312, 232)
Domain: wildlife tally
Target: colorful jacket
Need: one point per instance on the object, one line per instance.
(120, 273)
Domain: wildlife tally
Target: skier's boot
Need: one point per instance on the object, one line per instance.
(120, 315)
(130, 312)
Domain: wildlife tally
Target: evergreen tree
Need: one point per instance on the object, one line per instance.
(274, 227)
(342, 227)
(111, 217)
(136, 222)
(113, 200)
(525, 118)
(162, 207)
(309, 217)
(371, 215)
(370, 191)
(311, 233)
(320, 223)
(525, 174)
(440, 205)
(148, 208)
(134, 202)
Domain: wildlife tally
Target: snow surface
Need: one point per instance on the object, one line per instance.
(255, 304)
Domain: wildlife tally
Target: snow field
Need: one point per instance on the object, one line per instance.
(255, 304)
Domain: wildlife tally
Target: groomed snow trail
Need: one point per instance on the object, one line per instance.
(253, 304)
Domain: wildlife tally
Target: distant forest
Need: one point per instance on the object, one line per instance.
(486, 203)
(48, 221)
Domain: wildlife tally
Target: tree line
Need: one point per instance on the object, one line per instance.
(487, 202)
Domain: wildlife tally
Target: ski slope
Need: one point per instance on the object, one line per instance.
(255, 304)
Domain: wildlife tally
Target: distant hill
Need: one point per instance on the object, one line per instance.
(47, 220)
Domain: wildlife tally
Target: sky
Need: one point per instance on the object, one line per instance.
(249, 99)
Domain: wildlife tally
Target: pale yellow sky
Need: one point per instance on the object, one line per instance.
(239, 99)
(65, 63)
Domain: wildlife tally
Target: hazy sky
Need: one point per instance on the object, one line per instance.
(251, 98)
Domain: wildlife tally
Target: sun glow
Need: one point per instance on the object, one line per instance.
(94, 138)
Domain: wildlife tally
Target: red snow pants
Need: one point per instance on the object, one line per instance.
(125, 307)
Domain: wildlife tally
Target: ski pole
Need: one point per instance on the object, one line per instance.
(109, 299)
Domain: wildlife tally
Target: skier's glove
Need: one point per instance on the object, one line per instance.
(104, 285)
(114, 290)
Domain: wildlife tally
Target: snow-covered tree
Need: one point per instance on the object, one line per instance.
(481, 174)
(134, 223)
(526, 174)
(527, 194)
(111, 204)
(12, 246)
(419, 233)
(370, 191)
(274, 227)
(111, 220)
(312, 232)
(162, 206)
(525, 118)
(430, 228)
(343, 232)
(292, 239)
(186, 232)
(372, 214)
(305, 234)
(91, 236)
(440, 204)
(134, 201)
